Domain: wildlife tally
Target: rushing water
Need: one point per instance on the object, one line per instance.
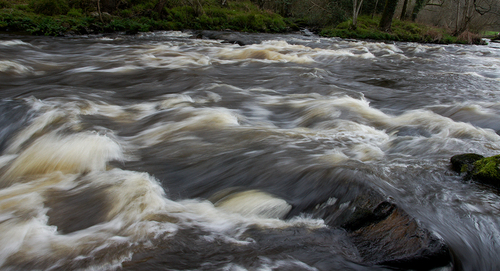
(114, 150)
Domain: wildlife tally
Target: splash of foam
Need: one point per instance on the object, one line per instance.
(7, 66)
(75, 153)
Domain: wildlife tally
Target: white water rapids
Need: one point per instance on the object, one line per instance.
(116, 146)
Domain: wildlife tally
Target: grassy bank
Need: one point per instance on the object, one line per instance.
(58, 17)
(77, 17)
(367, 28)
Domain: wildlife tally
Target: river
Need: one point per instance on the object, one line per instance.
(118, 146)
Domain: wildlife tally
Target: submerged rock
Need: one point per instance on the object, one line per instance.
(378, 232)
(253, 203)
(227, 37)
(485, 170)
(383, 233)
(464, 162)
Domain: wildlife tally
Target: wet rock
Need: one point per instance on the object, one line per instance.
(484, 170)
(487, 171)
(306, 32)
(464, 162)
(14, 115)
(377, 231)
(227, 37)
(76, 209)
(398, 241)
(383, 233)
(293, 248)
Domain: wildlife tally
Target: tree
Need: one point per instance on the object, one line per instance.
(458, 15)
(356, 4)
(475, 13)
(160, 7)
(419, 4)
(403, 10)
(389, 10)
(375, 9)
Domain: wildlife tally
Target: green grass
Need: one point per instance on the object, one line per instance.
(62, 17)
(490, 34)
(59, 17)
(367, 28)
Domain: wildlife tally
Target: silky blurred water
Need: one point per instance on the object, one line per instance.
(112, 146)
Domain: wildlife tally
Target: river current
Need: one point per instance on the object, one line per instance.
(117, 150)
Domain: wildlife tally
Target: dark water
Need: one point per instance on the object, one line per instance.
(113, 146)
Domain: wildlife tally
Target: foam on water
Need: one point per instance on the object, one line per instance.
(12, 67)
(268, 53)
(76, 153)
(49, 178)
(201, 114)
(194, 120)
(14, 43)
(255, 203)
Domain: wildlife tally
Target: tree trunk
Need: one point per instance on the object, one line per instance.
(99, 11)
(108, 5)
(160, 7)
(356, 8)
(463, 22)
(467, 16)
(419, 5)
(375, 9)
(403, 12)
(389, 10)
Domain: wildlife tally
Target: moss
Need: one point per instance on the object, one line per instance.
(487, 170)
(75, 13)
(464, 163)
(50, 7)
(5, 4)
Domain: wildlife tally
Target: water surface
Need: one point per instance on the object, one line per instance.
(113, 146)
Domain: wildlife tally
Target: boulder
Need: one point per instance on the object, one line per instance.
(227, 37)
(484, 170)
(487, 171)
(383, 233)
(378, 231)
(366, 232)
(464, 162)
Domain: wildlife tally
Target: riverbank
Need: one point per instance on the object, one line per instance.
(367, 28)
(62, 18)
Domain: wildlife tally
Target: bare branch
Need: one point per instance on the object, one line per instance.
(482, 10)
(320, 7)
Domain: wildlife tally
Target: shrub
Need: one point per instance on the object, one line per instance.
(83, 5)
(433, 35)
(47, 27)
(50, 7)
(469, 38)
(4, 4)
(22, 7)
(75, 12)
(126, 13)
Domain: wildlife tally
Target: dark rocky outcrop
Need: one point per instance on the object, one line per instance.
(379, 232)
(464, 162)
(383, 233)
(66, 212)
(480, 169)
(14, 115)
(366, 232)
(227, 37)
